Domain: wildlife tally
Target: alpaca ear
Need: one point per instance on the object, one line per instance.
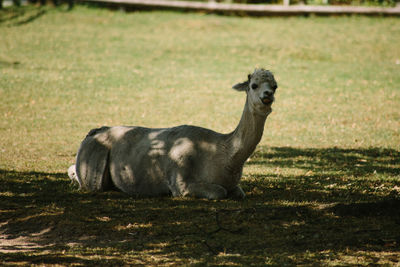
(244, 86)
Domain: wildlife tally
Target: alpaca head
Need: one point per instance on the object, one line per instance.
(260, 88)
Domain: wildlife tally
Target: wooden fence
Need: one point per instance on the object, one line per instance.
(254, 9)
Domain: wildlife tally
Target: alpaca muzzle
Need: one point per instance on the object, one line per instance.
(267, 100)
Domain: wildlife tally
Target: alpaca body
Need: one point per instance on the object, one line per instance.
(152, 162)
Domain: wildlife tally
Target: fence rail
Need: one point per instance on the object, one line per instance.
(256, 9)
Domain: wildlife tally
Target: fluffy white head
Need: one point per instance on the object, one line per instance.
(260, 88)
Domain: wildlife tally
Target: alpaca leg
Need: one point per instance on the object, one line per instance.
(92, 165)
(237, 193)
(203, 190)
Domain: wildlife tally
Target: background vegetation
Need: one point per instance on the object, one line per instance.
(322, 188)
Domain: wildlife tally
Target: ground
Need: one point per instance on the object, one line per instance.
(333, 215)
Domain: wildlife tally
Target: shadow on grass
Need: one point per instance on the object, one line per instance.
(325, 175)
(17, 16)
(331, 208)
(355, 162)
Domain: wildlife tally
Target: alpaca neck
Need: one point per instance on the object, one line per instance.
(244, 139)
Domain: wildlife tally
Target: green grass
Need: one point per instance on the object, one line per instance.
(322, 187)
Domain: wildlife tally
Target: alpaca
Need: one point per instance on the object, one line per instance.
(182, 161)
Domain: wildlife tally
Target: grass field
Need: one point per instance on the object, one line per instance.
(323, 187)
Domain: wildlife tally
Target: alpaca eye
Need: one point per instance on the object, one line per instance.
(254, 86)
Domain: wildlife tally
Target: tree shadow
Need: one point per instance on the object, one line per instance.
(355, 162)
(46, 220)
(18, 16)
(325, 175)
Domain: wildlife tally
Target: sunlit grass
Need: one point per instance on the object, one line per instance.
(74, 71)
